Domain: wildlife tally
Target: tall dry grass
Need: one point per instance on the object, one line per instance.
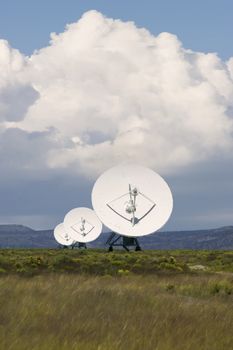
(66, 312)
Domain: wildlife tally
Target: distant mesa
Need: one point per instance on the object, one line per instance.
(19, 236)
(12, 228)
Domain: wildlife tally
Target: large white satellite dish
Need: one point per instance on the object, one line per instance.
(61, 236)
(132, 200)
(82, 224)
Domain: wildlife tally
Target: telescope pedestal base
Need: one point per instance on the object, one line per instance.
(79, 245)
(116, 240)
(73, 246)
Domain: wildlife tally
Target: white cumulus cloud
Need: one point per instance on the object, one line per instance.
(16, 94)
(105, 91)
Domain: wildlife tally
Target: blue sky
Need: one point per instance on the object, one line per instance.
(201, 25)
(39, 148)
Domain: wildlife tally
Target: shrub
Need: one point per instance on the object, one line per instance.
(172, 260)
(122, 272)
(62, 260)
(171, 267)
(170, 287)
(214, 288)
(2, 270)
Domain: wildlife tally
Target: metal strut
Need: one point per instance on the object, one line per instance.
(116, 240)
(74, 245)
(79, 245)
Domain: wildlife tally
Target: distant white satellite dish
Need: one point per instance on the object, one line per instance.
(132, 200)
(61, 236)
(83, 225)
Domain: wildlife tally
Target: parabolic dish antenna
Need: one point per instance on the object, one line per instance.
(132, 200)
(82, 224)
(61, 235)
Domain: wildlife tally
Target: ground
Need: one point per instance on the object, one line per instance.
(84, 300)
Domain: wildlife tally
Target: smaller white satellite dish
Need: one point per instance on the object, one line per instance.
(82, 225)
(61, 235)
(132, 200)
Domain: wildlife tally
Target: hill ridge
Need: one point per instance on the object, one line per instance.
(20, 236)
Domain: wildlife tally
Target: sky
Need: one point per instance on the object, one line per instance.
(86, 85)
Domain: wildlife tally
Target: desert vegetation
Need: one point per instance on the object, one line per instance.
(31, 262)
(90, 300)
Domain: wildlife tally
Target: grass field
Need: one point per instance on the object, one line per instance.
(86, 300)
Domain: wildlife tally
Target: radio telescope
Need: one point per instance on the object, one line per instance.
(132, 201)
(82, 225)
(62, 237)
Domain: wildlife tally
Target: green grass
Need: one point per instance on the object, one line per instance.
(95, 300)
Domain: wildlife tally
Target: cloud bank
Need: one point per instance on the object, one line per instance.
(105, 92)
